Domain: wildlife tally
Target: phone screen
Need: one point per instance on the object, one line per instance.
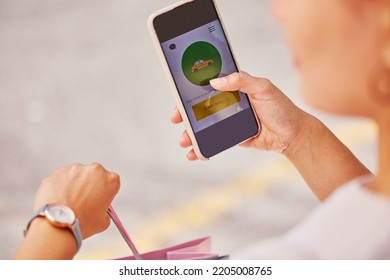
(196, 52)
(194, 59)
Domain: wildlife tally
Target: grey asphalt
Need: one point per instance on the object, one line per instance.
(81, 82)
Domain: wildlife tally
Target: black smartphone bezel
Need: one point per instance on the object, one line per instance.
(232, 130)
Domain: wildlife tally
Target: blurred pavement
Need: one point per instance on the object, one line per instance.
(81, 82)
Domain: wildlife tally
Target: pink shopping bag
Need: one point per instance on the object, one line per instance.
(199, 249)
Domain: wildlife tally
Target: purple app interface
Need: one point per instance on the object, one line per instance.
(195, 58)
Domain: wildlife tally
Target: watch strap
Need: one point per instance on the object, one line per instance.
(77, 233)
(74, 228)
(38, 213)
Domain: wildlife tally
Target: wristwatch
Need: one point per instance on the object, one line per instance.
(60, 216)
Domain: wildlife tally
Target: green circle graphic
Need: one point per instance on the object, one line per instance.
(201, 62)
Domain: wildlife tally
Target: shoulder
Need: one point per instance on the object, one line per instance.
(353, 223)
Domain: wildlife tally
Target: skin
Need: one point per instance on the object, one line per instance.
(287, 128)
(343, 56)
(88, 190)
(339, 54)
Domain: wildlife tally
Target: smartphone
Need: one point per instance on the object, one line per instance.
(193, 46)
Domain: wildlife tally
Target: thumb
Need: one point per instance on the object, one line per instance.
(241, 81)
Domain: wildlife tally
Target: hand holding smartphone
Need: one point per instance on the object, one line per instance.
(193, 46)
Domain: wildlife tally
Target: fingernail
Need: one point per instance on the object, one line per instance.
(218, 82)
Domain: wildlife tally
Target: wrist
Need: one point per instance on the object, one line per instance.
(59, 217)
(45, 242)
(307, 126)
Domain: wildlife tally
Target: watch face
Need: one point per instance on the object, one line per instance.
(60, 214)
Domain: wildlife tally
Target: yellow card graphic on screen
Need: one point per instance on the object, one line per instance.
(215, 104)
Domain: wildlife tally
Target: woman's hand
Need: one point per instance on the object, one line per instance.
(323, 161)
(87, 189)
(281, 121)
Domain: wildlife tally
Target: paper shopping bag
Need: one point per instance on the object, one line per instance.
(199, 249)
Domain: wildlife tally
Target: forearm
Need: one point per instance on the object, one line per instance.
(45, 242)
(322, 159)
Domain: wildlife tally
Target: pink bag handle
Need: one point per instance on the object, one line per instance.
(115, 218)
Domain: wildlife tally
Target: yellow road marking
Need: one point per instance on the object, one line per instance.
(209, 205)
